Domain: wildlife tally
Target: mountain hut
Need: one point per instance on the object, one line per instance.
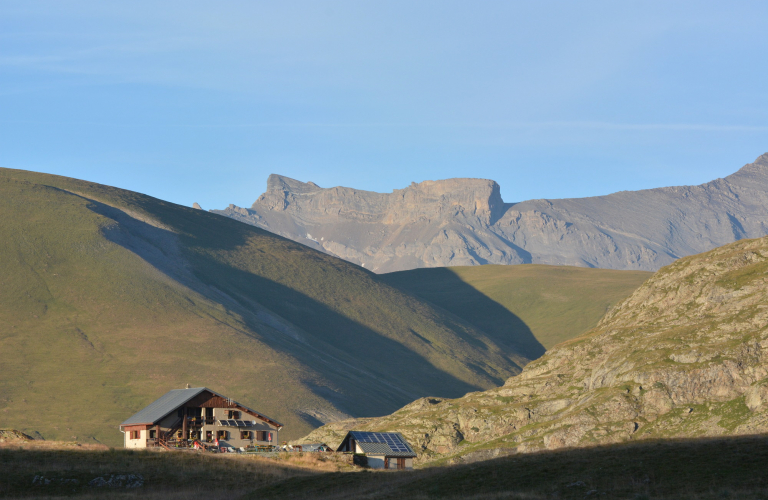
(182, 416)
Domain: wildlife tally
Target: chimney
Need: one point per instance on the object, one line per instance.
(187, 387)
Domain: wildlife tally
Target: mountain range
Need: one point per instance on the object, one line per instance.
(109, 298)
(461, 222)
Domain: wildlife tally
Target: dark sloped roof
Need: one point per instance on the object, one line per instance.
(376, 448)
(163, 406)
(392, 444)
(171, 400)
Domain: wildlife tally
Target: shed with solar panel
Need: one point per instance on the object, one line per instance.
(199, 417)
(383, 450)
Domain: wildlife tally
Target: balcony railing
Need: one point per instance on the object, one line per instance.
(195, 421)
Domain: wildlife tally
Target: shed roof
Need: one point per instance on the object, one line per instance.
(173, 399)
(375, 448)
(391, 444)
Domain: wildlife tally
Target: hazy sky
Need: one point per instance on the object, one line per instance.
(201, 101)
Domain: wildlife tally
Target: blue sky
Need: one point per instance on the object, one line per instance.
(201, 101)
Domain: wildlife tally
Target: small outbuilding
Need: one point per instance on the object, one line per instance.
(383, 450)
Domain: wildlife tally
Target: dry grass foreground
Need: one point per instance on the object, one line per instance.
(185, 474)
(661, 470)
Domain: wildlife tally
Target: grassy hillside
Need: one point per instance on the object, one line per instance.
(109, 298)
(527, 307)
(685, 355)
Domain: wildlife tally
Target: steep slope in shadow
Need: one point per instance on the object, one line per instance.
(444, 288)
(321, 336)
(526, 307)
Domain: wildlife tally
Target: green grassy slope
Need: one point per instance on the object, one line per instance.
(109, 298)
(527, 307)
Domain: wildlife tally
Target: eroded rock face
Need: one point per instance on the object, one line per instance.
(685, 355)
(465, 222)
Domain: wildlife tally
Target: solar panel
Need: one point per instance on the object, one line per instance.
(392, 440)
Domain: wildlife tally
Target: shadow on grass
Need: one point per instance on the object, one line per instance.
(444, 288)
(712, 468)
(732, 467)
(38, 471)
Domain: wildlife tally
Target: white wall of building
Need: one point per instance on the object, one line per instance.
(135, 443)
(375, 462)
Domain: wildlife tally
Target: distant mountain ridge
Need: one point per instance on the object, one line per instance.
(465, 222)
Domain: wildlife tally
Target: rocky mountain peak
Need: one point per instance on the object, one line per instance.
(449, 198)
(481, 197)
(758, 168)
(281, 183)
(425, 200)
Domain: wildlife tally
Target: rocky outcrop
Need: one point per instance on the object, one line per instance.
(465, 222)
(685, 355)
(7, 435)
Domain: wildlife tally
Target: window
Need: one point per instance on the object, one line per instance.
(134, 434)
(245, 435)
(209, 436)
(152, 434)
(234, 414)
(222, 435)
